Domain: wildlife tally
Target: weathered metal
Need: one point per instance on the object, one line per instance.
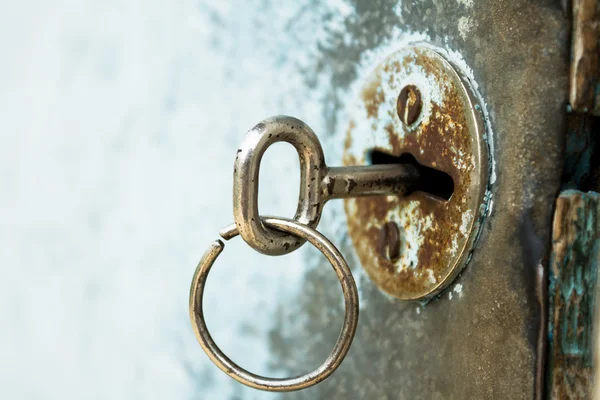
(374, 180)
(441, 126)
(485, 341)
(318, 182)
(573, 295)
(278, 236)
(573, 289)
(584, 92)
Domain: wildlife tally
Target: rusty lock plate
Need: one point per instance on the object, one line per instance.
(415, 102)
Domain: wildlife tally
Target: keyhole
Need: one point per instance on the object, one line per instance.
(434, 182)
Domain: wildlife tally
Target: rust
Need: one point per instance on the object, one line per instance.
(372, 97)
(444, 142)
(572, 295)
(584, 93)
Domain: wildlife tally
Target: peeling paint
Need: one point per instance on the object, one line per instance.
(464, 26)
(458, 289)
(572, 293)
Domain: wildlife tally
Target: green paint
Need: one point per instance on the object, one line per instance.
(573, 278)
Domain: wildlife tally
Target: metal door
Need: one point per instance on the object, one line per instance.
(126, 118)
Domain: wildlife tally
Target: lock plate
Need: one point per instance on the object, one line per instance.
(435, 236)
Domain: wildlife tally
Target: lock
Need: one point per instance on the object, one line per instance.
(416, 107)
(413, 213)
(276, 236)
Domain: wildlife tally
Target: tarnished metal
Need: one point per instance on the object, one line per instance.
(374, 180)
(348, 328)
(245, 182)
(318, 182)
(584, 91)
(437, 235)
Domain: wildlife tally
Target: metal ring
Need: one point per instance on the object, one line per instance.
(245, 182)
(344, 340)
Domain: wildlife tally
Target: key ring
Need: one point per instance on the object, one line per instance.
(350, 316)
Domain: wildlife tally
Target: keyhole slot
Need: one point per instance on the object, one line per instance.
(433, 182)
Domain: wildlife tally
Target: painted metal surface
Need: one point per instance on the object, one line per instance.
(573, 295)
(584, 92)
(112, 114)
(437, 235)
